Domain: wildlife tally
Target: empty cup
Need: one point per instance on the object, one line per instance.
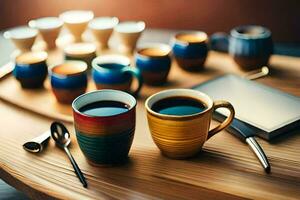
(23, 37)
(76, 22)
(128, 34)
(49, 28)
(102, 28)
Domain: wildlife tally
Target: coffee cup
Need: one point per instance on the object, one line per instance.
(154, 62)
(49, 28)
(113, 72)
(179, 121)
(68, 80)
(250, 46)
(128, 34)
(104, 122)
(23, 37)
(31, 69)
(190, 50)
(81, 51)
(76, 22)
(102, 28)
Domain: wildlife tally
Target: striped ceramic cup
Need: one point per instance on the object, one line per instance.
(104, 130)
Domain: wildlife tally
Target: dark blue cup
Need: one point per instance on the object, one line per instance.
(190, 50)
(31, 69)
(114, 72)
(250, 46)
(68, 80)
(154, 62)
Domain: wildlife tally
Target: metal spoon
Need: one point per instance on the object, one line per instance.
(37, 144)
(61, 136)
(255, 74)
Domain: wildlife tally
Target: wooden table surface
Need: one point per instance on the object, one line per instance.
(225, 169)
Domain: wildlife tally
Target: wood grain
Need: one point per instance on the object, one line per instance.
(225, 169)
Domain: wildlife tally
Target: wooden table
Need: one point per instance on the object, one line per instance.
(225, 169)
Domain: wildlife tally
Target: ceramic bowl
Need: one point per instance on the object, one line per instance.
(102, 28)
(76, 21)
(154, 62)
(251, 46)
(49, 28)
(81, 51)
(128, 33)
(31, 69)
(190, 50)
(23, 37)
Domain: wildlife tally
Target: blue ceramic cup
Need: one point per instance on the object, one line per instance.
(68, 80)
(250, 46)
(154, 62)
(31, 69)
(190, 50)
(114, 72)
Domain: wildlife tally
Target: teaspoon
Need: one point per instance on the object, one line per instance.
(61, 136)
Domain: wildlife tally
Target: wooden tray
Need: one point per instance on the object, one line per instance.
(43, 102)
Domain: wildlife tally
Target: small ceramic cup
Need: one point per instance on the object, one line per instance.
(182, 136)
(102, 28)
(76, 22)
(250, 46)
(31, 69)
(23, 37)
(114, 72)
(190, 50)
(49, 28)
(128, 34)
(81, 51)
(105, 140)
(154, 62)
(68, 80)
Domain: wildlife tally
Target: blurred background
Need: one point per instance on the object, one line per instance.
(282, 17)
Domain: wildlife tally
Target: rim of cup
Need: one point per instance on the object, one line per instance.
(262, 32)
(81, 67)
(205, 99)
(40, 56)
(68, 16)
(20, 32)
(106, 23)
(46, 23)
(161, 46)
(139, 27)
(93, 96)
(201, 34)
(109, 59)
(82, 48)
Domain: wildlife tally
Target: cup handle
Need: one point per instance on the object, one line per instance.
(226, 122)
(137, 74)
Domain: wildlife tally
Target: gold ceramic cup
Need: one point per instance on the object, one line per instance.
(182, 136)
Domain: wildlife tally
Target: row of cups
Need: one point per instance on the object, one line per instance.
(76, 22)
(111, 71)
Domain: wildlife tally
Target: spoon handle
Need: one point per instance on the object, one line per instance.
(76, 168)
